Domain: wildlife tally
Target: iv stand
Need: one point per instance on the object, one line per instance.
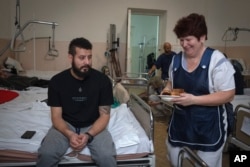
(140, 58)
(235, 32)
(11, 43)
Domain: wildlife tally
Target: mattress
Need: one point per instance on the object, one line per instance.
(241, 99)
(28, 112)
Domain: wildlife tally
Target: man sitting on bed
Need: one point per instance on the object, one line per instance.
(80, 100)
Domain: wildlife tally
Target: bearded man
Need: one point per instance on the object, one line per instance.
(80, 99)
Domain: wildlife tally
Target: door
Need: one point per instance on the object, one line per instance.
(145, 35)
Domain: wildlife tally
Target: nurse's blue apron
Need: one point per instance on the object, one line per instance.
(198, 127)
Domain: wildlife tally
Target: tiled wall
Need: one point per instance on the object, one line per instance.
(36, 58)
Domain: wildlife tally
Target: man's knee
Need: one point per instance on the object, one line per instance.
(105, 159)
(45, 154)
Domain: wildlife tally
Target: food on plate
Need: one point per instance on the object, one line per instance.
(166, 93)
(173, 92)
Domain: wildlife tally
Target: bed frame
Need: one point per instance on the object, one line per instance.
(133, 80)
(190, 160)
(239, 138)
(143, 114)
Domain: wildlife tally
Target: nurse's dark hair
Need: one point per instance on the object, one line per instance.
(192, 25)
(80, 43)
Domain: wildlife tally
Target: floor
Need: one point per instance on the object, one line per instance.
(159, 143)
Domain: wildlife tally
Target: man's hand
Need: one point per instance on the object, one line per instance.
(78, 142)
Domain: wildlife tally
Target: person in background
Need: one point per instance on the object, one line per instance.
(120, 94)
(80, 99)
(163, 61)
(238, 77)
(106, 71)
(199, 119)
(151, 95)
(239, 80)
(155, 86)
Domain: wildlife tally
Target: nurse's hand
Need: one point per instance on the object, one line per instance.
(185, 99)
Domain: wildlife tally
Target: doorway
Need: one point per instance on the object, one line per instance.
(145, 35)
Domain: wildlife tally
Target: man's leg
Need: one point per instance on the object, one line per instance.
(52, 148)
(102, 150)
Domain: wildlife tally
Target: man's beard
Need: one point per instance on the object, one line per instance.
(78, 71)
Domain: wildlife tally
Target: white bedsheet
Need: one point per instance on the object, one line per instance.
(26, 112)
(241, 99)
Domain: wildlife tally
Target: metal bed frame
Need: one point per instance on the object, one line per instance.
(190, 160)
(239, 138)
(133, 79)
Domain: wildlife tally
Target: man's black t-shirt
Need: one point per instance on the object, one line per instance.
(80, 99)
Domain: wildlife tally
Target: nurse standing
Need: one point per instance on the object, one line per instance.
(198, 120)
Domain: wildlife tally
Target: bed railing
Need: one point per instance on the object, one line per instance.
(238, 137)
(191, 160)
(139, 107)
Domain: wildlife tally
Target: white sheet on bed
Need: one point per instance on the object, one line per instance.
(26, 112)
(241, 99)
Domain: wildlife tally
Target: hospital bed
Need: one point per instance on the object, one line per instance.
(131, 126)
(240, 103)
(241, 99)
(134, 80)
(241, 134)
(189, 158)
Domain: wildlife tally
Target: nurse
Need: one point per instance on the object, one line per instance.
(199, 120)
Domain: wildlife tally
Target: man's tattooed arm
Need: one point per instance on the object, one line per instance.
(104, 109)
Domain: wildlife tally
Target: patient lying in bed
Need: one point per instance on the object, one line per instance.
(120, 94)
(16, 82)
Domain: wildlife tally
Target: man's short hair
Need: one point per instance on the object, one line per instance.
(80, 43)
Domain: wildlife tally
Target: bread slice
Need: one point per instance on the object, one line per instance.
(174, 92)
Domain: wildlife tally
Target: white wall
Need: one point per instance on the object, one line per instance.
(5, 21)
(91, 18)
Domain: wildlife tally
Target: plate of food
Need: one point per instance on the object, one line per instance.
(168, 97)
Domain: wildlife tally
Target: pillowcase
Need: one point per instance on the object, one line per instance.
(14, 63)
(120, 93)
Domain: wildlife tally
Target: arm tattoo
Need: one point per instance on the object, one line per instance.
(104, 109)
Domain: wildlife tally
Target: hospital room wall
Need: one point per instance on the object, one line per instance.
(92, 18)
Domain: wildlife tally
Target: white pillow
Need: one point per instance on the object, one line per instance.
(120, 93)
(14, 63)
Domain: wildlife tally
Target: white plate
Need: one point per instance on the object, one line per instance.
(167, 97)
